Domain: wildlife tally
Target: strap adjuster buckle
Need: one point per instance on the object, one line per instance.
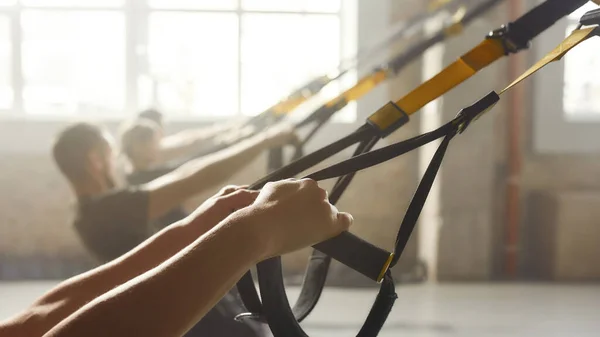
(510, 42)
(388, 119)
(249, 315)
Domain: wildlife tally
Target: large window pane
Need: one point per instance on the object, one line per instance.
(281, 52)
(6, 92)
(73, 62)
(193, 62)
(73, 3)
(576, 15)
(582, 79)
(193, 4)
(292, 5)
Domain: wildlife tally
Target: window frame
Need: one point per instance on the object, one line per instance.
(555, 131)
(136, 15)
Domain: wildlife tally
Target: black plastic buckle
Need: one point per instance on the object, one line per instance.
(388, 119)
(511, 43)
(474, 111)
(249, 315)
(591, 18)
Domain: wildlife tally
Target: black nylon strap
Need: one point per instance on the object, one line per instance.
(249, 297)
(318, 265)
(418, 201)
(312, 159)
(537, 20)
(378, 156)
(281, 319)
(310, 290)
(284, 324)
(245, 285)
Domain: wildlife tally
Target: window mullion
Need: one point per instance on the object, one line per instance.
(135, 18)
(16, 56)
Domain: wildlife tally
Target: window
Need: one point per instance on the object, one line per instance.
(192, 58)
(6, 92)
(582, 66)
(566, 100)
(73, 62)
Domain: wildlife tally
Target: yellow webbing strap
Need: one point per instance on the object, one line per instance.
(362, 87)
(287, 105)
(462, 69)
(576, 37)
(572, 41)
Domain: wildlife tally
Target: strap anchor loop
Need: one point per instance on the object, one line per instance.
(474, 111)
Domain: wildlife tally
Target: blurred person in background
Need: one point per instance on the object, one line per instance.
(180, 146)
(151, 155)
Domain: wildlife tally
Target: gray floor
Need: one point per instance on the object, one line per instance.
(432, 310)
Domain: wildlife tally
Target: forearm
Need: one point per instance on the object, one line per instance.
(74, 293)
(169, 299)
(182, 145)
(218, 168)
(201, 174)
(189, 142)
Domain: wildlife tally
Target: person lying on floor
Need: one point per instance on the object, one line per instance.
(170, 281)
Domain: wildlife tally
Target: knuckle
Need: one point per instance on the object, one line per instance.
(309, 183)
(228, 189)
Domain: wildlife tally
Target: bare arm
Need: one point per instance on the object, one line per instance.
(74, 293)
(190, 142)
(196, 279)
(209, 171)
(167, 300)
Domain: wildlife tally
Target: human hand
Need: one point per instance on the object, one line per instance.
(221, 205)
(293, 214)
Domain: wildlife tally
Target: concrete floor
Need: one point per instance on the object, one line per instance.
(478, 310)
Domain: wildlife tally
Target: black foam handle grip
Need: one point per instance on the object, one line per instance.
(357, 254)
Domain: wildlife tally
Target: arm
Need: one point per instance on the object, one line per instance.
(189, 142)
(170, 299)
(74, 293)
(167, 300)
(209, 171)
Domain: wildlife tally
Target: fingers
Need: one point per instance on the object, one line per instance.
(239, 199)
(230, 189)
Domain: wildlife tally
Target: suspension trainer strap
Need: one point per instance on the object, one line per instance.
(366, 84)
(473, 112)
(508, 39)
(461, 18)
(318, 266)
(458, 126)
